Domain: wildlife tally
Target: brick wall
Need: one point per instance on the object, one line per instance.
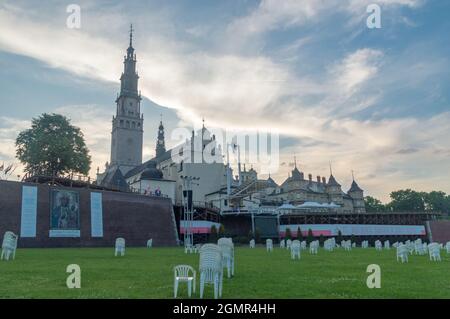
(133, 217)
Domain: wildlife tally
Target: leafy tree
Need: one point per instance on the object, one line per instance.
(53, 146)
(407, 200)
(310, 235)
(299, 234)
(321, 239)
(287, 234)
(339, 237)
(437, 201)
(221, 231)
(257, 235)
(213, 234)
(374, 205)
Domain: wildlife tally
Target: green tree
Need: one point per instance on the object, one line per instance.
(437, 201)
(407, 201)
(310, 235)
(321, 239)
(287, 234)
(213, 234)
(221, 231)
(299, 234)
(339, 237)
(257, 235)
(53, 146)
(374, 205)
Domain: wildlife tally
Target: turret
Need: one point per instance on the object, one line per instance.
(357, 195)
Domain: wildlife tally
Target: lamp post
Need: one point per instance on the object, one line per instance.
(188, 209)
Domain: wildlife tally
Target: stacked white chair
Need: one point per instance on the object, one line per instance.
(329, 244)
(252, 243)
(227, 247)
(313, 247)
(288, 244)
(269, 245)
(282, 243)
(410, 245)
(303, 245)
(184, 273)
(378, 245)
(150, 243)
(295, 249)
(120, 247)
(435, 251)
(365, 244)
(387, 245)
(346, 244)
(402, 253)
(211, 269)
(188, 246)
(396, 244)
(9, 246)
(447, 247)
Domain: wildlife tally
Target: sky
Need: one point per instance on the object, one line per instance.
(372, 101)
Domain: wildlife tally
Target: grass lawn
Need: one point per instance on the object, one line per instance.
(147, 273)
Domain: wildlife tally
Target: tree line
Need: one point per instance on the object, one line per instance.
(409, 200)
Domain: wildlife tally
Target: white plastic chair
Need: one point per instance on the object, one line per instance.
(435, 251)
(282, 243)
(211, 270)
(9, 246)
(120, 247)
(447, 247)
(149, 243)
(227, 247)
(269, 245)
(252, 243)
(303, 245)
(313, 247)
(295, 249)
(378, 245)
(288, 244)
(402, 253)
(184, 273)
(387, 245)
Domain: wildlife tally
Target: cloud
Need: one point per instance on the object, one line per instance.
(235, 88)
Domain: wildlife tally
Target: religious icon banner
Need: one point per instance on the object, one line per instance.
(64, 213)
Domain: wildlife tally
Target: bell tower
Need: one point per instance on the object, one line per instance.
(127, 124)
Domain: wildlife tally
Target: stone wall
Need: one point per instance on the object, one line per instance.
(133, 217)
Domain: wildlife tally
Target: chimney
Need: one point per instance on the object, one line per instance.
(318, 179)
(310, 178)
(324, 180)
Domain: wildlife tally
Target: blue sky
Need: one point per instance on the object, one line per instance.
(375, 101)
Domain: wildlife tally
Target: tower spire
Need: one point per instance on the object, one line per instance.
(131, 35)
(331, 170)
(295, 161)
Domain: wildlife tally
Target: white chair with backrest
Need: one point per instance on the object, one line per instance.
(313, 247)
(434, 250)
(120, 247)
(282, 243)
(402, 253)
(227, 247)
(252, 243)
(387, 245)
(288, 244)
(295, 249)
(303, 245)
(447, 247)
(188, 246)
(378, 245)
(211, 269)
(150, 243)
(269, 245)
(184, 273)
(9, 246)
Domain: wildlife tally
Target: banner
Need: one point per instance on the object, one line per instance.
(64, 214)
(355, 229)
(29, 211)
(96, 215)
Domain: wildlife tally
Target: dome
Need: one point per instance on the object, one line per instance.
(151, 172)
